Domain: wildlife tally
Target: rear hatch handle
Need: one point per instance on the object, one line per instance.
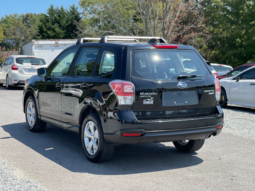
(188, 76)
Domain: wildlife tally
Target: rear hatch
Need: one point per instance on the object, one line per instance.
(171, 83)
(29, 65)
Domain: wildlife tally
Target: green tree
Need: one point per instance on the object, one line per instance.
(2, 37)
(59, 23)
(19, 29)
(231, 24)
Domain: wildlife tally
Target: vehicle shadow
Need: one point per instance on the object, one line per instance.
(240, 108)
(3, 88)
(64, 148)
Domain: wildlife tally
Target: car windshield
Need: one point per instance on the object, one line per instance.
(30, 60)
(221, 68)
(167, 64)
(237, 71)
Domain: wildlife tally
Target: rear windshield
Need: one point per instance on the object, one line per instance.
(162, 64)
(221, 68)
(32, 61)
(238, 70)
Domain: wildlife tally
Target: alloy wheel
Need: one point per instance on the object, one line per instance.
(91, 138)
(31, 114)
(183, 142)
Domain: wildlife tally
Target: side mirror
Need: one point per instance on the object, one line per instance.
(42, 72)
(237, 78)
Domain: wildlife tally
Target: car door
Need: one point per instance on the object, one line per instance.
(243, 90)
(79, 81)
(49, 89)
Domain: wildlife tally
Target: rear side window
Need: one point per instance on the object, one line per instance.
(85, 62)
(166, 64)
(32, 61)
(238, 70)
(107, 63)
(221, 68)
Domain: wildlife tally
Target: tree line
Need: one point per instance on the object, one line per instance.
(223, 31)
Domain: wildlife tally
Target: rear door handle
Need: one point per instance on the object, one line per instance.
(252, 84)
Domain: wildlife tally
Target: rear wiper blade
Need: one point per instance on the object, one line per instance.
(188, 76)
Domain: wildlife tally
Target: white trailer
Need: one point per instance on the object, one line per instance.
(47, 49)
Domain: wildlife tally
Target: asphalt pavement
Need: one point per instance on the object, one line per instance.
(54, 159)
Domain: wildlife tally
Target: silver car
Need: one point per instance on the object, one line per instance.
(18, 68)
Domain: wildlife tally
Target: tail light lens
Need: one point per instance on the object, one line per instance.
(15, 67)
(217, 89)
(216, 75)
(124, 91)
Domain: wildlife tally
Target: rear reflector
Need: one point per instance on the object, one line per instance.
(165, 46)
(217, 89)
(124, 91)
(131, 134)
(15, 67)
(219, 127)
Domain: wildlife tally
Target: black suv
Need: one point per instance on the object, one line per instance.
(122, 91)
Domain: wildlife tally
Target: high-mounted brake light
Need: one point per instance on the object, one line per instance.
(217, 89)
(15, 67)
(124, 91)
(165, 46)
(132, 134)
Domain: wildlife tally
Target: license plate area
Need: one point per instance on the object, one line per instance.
(30, 70)
(179, 98)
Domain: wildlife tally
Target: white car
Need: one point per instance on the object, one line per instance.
(18, 68)
(239, 89)
(221, 69)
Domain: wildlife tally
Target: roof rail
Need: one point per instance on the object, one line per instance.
(82, 40)
(105, 39)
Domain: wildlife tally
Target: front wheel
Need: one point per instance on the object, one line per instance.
(34, 124)
(189, 145)
(94, 145)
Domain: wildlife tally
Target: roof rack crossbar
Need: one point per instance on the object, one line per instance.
(82, 40)
(105, 39)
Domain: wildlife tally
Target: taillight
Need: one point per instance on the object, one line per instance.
(15, 67)
(216, 75)
(217, 89)
(165, 46)
(124, 91)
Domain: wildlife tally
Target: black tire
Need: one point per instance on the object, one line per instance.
(223, 98)
(190, 146)
(7, 84)
(1, 85)
(38, 125)
(104, 151)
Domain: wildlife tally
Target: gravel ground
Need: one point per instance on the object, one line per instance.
(14, 179)
(240, 121)
(54, 159)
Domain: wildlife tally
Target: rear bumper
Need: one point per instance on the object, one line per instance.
(155, 137)
(165, 130)
(19, 79)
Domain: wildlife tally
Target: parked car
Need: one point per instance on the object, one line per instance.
(18, 68)
(237, 70)
(240, 89)
(221, 69)
(127, 93)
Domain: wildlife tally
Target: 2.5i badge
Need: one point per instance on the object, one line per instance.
(148, 100)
